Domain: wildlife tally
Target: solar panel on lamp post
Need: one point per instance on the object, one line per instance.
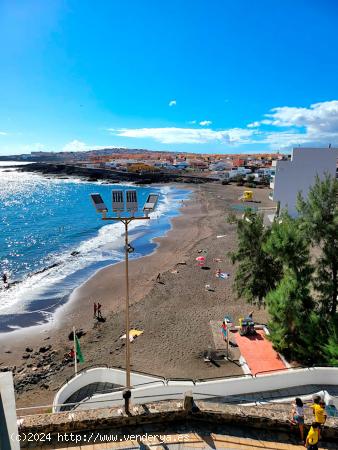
(125, 206)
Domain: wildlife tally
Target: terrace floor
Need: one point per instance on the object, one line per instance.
(259, 353)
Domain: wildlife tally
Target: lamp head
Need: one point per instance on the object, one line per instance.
(118, 202)
(150, 204)
(131, 201)
(99, 203)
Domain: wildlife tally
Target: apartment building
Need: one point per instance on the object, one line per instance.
(299, 173)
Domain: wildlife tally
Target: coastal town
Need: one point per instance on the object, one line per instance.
(198, 278)
(131, 160)
(168, 225)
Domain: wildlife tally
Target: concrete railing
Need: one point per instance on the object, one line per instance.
(269, 381)
(148, 388)
(100, 375)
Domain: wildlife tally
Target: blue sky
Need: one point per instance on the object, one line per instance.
(214, 76)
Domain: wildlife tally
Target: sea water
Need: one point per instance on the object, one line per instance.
(52, 240)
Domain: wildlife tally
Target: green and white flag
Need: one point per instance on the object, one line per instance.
(79, 354)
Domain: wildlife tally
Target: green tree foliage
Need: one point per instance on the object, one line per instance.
(300, 292)
(257, 272)
(319, 217)
(331, 350)
(288, 244)
(293, 325)
(291, 307)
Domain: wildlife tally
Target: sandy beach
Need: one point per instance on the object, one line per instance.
(173, 314)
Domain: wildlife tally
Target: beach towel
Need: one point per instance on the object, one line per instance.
(133, 334)
(222, 275)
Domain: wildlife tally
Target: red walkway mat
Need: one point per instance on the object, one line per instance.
(258, 353)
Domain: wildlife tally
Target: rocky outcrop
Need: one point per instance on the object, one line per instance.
(112, 175)
(37, 368)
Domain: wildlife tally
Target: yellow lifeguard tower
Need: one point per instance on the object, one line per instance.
(247, 196)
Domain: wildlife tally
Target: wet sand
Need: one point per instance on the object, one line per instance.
(174, 314)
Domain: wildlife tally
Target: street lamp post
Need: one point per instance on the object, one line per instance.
(126, 208)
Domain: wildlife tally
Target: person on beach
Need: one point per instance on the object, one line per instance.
(99, 314)
(316, 400)
(312, 438)
(298, 416)
(71, 355)
(95, 310)
(158, 278)
(224, 329)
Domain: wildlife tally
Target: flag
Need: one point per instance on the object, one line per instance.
(79, 355)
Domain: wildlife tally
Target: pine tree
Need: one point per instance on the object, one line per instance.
(288, 244)
(293, 321)
(319, 217)
(257, 272)
(331, 350)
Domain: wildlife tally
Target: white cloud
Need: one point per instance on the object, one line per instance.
(320, 117)
(172, 103)
(317, 124)
(281, 127)
(173, 135)
(3, 133)
(253, 124)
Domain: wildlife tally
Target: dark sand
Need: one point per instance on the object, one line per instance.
(175, 314)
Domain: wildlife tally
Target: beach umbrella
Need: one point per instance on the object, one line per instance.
(200, 260)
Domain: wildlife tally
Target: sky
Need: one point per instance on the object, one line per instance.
(206, 76)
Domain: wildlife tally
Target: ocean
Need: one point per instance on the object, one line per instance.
(52, 240)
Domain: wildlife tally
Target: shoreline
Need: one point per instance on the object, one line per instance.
(146, 241)
(78, 310)
(174, 315)
(58, 316)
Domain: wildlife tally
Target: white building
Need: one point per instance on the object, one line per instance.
(299, 174)
(220, 166)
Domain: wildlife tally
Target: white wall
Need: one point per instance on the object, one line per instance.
(300, 173)
(8, 406)
(100, 375)
(207, 389)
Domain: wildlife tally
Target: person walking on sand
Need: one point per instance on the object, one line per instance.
(95, 310)
(298, 416)
(99, 314)
(158, 278)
